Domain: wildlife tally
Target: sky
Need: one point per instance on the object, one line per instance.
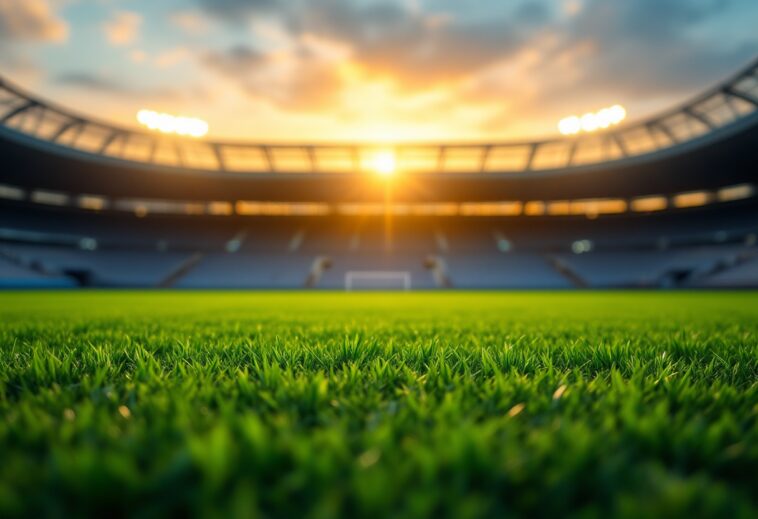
(364, 70)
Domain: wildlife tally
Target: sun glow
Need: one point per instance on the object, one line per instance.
(383, 163)
(178, 125)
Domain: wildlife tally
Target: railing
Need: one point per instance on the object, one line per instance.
(729, 103)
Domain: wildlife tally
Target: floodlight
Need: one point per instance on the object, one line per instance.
(592, 121)
(166, 123)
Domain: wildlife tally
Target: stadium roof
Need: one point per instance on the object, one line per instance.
(700, 138)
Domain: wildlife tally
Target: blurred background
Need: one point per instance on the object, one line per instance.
(378, 144)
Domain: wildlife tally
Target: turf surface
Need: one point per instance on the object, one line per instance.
(361, 405)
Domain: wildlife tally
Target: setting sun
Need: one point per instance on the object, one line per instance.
(383, 163)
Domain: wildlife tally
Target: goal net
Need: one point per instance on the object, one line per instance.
(377, 280)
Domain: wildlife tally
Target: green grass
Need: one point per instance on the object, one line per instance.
(362, 405)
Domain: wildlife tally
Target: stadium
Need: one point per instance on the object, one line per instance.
(88, 204)
(193, 324)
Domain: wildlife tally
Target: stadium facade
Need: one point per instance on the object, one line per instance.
(669, 201)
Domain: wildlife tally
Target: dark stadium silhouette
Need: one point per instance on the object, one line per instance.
(664, 202)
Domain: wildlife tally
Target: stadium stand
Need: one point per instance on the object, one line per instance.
(743, 274)
(474, 256)
(246, 270)
(120, 268)
(14, 275)
(493, 271)
(691, 266)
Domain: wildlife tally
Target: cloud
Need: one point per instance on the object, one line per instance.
(235, 11)
(21, 68)
(439, 68)
(92, 82)
(419, 47)
(123, 89)
(124, 28)
(449, 41)
(191, 22)
(397, 37)
(653, 47)
(171, 57)
(138, 56)
(489, 68)
(645, 54)
(30, 20)
(296, 79)
(648, 21)
(162, 60)
(381, 41)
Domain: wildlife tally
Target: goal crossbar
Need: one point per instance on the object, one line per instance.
(373, 279)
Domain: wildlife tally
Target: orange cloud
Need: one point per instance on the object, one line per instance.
(171, 57)
(138, 56)
(123, 29)
(191, 22)
(31, 20)
(410, 70)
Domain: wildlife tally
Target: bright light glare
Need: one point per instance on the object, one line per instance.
(570, 125)
(592, 121)
(618, 113)
(589, 122)
(383, 163)
(166, 123)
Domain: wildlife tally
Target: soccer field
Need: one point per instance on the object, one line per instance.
(362, 405)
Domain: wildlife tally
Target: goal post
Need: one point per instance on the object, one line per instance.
(377, 280)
